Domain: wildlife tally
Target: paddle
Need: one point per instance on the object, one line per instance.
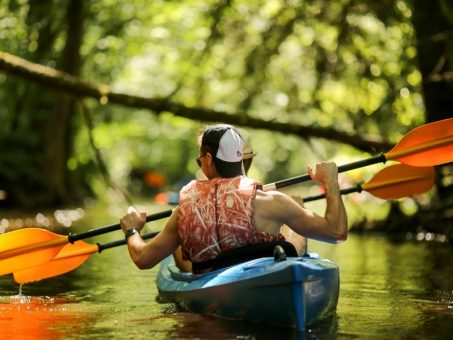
(70, 257)
(427, 145)
(391, 182)
(29, 247)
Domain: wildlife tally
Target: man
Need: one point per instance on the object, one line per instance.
(230, 210)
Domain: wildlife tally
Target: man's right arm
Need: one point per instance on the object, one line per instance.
(147, 254)
(279, 209)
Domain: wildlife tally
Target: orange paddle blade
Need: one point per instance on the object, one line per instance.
(29, 247)
(69, 258)
(400, 180)
(428, 145)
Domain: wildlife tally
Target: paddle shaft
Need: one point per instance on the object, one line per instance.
(381, 158)
(102, 247)
(99, 231)
(357, 188)
(342, 168)
(273, 186)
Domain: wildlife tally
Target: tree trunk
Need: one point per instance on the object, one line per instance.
(435, 60)
(35, 143)
(59, 130)
(433, 26)
(435, 55)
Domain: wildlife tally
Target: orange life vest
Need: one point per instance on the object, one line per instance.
(216, 215)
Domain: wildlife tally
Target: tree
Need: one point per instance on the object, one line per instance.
(336, 71)
(39, 130)
(435, 60)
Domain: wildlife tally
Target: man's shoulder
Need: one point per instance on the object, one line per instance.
(270, 195)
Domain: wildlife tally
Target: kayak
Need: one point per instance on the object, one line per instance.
(295, 292)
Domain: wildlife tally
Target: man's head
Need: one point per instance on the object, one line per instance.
(225, 145)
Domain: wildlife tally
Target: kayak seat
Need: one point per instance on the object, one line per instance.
(242, 254)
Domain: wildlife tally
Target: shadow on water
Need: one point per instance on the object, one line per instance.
(192, 325)
(203, 327)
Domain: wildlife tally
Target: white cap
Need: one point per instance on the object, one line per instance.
(225, 145)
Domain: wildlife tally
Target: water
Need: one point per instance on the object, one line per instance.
(388, 290)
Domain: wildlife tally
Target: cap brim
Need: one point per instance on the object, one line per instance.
(248, 155)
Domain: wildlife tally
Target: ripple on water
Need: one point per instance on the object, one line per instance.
(19, 299)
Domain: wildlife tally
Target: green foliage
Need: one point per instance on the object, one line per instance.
(345, 64)
(299, 62)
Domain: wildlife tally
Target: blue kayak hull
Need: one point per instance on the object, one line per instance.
(292, 293)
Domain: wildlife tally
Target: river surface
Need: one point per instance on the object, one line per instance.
(389, 290)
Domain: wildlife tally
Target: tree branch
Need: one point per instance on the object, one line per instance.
(61, 81)
(98, 156)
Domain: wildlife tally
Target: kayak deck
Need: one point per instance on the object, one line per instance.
(291, 293)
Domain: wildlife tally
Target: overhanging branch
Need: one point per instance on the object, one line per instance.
(61, 81)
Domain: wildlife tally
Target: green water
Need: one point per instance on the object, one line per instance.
(388, 290)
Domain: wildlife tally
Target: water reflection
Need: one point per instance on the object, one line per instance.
(387, 287)
(39, 317)
(388, 290)
(54, 221)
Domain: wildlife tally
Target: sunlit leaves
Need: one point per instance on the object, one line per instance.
(183, 50)
(343, 64)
